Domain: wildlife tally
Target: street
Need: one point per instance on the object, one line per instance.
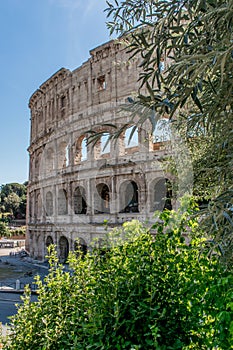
(7, 305)
(8, 300)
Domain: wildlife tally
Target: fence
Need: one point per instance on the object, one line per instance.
(7, 243)
(16, 286)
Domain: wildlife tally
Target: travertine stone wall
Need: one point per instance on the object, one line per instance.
(74, 186)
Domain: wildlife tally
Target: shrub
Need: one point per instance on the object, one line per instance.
(21, 231)
(4, 230)
(145, 292)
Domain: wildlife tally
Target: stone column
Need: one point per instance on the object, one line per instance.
(142, 195)
(89, 198)
(55, 196)
(113, 203)
(43, 206)
(70, 200)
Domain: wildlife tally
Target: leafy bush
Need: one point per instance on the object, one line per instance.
(21, 231)
(4, 230)
(143, 291)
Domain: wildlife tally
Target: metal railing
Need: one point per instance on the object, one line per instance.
(16, 286)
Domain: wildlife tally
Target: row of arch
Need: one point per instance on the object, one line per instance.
(101, 199)
(64, 247)
(65, 154)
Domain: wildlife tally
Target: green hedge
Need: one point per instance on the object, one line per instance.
(140, 292)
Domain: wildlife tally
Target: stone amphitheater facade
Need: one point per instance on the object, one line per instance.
(75, 186)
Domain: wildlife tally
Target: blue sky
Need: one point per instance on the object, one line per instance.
(37, 38)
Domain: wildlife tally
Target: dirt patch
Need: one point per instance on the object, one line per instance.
(9, 271)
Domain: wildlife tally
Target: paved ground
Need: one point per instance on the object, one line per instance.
(16, 267)
(13, 267)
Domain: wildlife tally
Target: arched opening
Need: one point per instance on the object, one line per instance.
(80, 246)
(49, 160)
(62, 155)
(38, 206)
(102, 199)
(63, 249)
(105, 143)
(131, 137)
(37, 168)
(30, 207)
(161, 195)
(80, 205)
(162, 131)
(80, 150)
(67, 158)
(129, 197)
(62, 202)
(101, 147)
(49, 241)
(84, 149)
(49, 204)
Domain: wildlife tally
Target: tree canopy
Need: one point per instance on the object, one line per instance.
(13, 199)
(187, 72)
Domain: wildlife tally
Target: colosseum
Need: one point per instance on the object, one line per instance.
(75, 186)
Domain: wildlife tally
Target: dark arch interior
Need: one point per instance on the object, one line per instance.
(80, 205)
(64, 249)
(161, 195)
(102, 199)
(49, 241)
(80, 246)
(129, 197)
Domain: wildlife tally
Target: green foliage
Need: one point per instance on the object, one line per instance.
(217, 219)
(4, 231)
(194, 38)
(13, 198)
(12, 202)
(201, 58)
(146, 292)
(19, 189)
(21, 231)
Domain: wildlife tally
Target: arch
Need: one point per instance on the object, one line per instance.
(49, 203)
(31, 168)
(105, 143)
(162, 131)
(49, 241)
(129, 197)
(67, 157)
(50, 159)
(84, 149)
(63, 249)
(62, 160)
(102, 146)
(131, 137)
(80, 150)
(80, 246)
(102, 199)
(161, 194)
(30, 205)
(80, 205)
(38, 206)
(37, 167)
(62, 204)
